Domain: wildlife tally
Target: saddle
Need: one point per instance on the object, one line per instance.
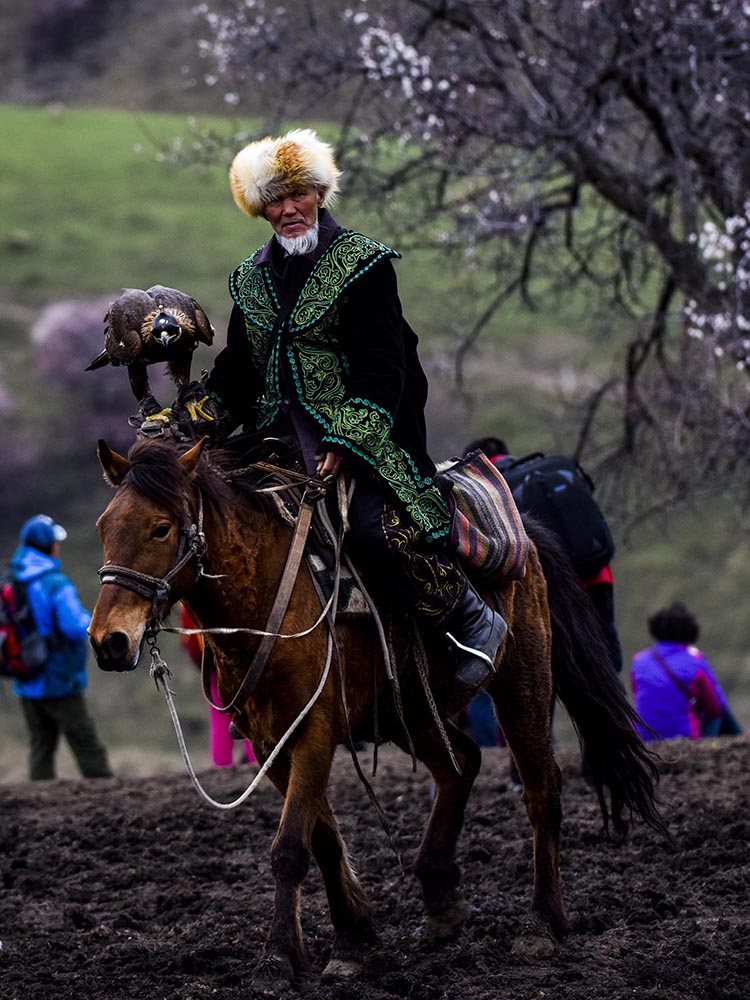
(487, 532)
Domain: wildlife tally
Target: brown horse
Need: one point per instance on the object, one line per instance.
(554, 647)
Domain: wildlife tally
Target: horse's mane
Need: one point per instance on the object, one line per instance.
(157, 474)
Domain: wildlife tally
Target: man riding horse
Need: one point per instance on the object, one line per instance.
(318, 350)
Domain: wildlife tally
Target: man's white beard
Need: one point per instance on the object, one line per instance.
(305, 243)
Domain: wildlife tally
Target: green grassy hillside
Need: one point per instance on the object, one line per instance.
(87, 207)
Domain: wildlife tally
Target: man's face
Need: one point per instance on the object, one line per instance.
(292, 215)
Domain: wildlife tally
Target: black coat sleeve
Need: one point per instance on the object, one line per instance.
(234, 382)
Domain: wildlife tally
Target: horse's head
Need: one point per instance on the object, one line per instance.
(148, 552)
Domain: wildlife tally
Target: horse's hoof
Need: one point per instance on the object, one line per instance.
(447, 924)
(534, 947)
(535, 941)
(272, 977)
(340, 968)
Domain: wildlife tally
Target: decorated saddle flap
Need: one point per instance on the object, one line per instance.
(487, 532)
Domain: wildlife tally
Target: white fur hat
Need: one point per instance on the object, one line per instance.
(265, 170)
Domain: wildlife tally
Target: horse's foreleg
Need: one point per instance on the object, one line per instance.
(522, 699)
(284, 954)
(302, 780)
(435, 864)
(350, 912)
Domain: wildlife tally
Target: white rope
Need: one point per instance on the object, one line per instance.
(159, 671)
(250, 631)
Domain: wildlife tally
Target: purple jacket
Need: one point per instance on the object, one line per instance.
(674, 705)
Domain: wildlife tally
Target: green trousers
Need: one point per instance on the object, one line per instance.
(49, 718)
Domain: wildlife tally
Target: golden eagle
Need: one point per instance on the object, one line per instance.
(142, 328)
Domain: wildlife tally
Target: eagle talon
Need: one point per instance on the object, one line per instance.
(163, 416)
(155, 425)
(198, 410)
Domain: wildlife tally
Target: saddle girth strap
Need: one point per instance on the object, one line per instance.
(277, 613)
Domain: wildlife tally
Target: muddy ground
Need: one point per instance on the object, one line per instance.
(134, 888)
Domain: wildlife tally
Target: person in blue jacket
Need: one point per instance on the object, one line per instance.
(53, 702)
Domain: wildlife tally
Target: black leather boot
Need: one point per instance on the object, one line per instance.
(477, 631)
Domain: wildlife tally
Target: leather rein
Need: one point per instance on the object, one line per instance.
(312, 494)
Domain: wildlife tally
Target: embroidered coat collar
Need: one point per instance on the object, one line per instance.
(327, 229)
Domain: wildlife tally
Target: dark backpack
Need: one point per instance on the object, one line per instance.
(23, 651)
(557, 491)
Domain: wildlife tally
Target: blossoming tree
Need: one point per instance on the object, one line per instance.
(559, 142)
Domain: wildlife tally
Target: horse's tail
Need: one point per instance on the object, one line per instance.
(589, 687)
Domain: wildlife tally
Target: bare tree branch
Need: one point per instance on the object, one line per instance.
(600, 144)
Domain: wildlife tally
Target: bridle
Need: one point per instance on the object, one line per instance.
(192, 545)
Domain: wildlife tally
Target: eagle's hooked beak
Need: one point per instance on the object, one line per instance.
(165, 327)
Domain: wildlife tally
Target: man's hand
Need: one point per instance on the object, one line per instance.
(329, 464)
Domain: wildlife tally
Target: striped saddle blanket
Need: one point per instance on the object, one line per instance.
(487, 532)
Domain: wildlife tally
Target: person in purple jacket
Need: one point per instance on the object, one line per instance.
(675, 690)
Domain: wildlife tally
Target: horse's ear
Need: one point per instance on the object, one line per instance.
(115, 466)
(189, 461)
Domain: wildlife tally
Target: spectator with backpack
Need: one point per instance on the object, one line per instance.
(675, 690)
(556, 490)
(53, 699)
(559, 493)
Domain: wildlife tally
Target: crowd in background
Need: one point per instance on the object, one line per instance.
(675, 691)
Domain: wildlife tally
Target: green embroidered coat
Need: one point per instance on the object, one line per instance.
(325, 333)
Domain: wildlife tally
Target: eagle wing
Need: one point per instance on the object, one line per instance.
(123, 341)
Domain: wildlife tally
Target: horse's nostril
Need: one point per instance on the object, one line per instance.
(116, 645)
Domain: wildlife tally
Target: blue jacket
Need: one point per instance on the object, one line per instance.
(60, 615)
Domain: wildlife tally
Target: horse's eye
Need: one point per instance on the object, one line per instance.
(162, 531)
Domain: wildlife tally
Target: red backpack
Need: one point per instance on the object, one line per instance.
(23, 651)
